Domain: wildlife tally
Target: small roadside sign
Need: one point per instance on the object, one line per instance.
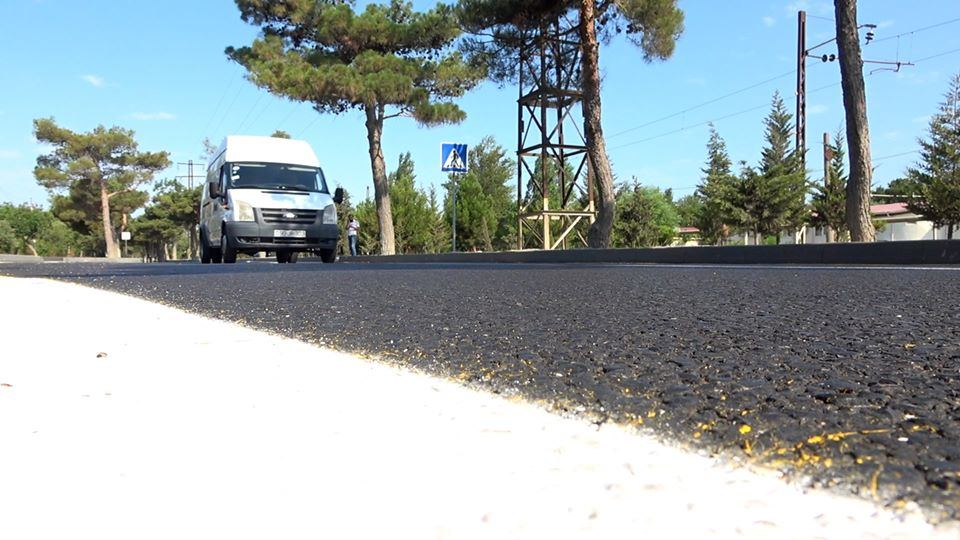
(125, 235)
(453, 157)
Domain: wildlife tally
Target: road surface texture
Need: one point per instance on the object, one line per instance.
(841, 378)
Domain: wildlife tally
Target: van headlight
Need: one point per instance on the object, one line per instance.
(244, 212)
(330, 214)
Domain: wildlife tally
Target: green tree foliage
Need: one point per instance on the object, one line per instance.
(8, 237)
(645, 217)
(98, 165)
(368, 242)
(280, 134)
(413, 219)
(718, 191)
(653, 25)
(28, 224)
(386, 60)
(36, 232)
(829, 202)
(170, 218)
(938, 173)
(486, 212)
(689, 208)
(898, 190)
(344, 211)
(772, 198)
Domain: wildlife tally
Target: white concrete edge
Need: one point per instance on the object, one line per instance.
(174, 425)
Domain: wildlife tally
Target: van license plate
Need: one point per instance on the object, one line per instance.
(286, 233)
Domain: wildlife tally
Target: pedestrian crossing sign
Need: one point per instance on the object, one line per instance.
(453, 157)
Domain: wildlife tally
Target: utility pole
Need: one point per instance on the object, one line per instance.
(189, 176)
(801, 143)
(827, 156)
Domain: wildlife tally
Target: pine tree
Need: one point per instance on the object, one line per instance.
(717, 190)
(99, 166)
(387, 61)
(829, 203)
(938, 174)
(772, 198)
(412, 216)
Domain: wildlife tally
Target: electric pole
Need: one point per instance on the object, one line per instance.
(801, 143)
(827, 156)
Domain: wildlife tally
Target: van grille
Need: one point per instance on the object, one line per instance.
(279, 215)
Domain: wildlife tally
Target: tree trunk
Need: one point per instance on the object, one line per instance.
(487, 241)
(950, 232)
(173, 255)
(30, 246)
(381, 187)
(110, 242)
(599, 233)
(859, 221)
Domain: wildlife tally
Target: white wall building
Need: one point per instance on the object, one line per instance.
(899, 224)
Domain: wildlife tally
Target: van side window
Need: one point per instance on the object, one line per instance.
(223, 177)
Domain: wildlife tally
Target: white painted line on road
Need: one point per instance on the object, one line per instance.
(785, 267)
(124, 419)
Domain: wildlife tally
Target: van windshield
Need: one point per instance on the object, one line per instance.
(276, 176)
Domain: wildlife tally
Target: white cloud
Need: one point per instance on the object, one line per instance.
(769, 21)
(885, 24)
(6, 153)
(817, 109)
(93, 80)
(152, 116)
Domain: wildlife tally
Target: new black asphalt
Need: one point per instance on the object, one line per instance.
(840, 377)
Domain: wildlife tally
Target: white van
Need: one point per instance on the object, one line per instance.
(267, 194)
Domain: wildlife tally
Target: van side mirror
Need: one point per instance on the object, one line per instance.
(338, 195)
(214, 189)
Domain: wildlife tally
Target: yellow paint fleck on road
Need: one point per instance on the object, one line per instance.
(744, 429)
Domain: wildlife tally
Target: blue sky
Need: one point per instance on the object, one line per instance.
(159, 68)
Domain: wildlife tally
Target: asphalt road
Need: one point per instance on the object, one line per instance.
(843, 378)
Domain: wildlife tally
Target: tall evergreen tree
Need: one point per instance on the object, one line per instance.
(717, 189)
(772, 198)
(938, 174)
(413, 218)
(98, 165)
(653, 25)
(829, 203)
(387, 61)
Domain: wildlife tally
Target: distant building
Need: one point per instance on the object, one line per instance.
(896, 223)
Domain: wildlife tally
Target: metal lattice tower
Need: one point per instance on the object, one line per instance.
(555, 199)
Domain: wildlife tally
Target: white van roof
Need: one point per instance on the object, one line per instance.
(254, 149)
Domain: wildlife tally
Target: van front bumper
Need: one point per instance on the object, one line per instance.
(263, 237)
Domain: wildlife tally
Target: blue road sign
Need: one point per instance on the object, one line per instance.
(453, 157)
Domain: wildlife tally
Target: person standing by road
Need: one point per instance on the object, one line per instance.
(352, 227)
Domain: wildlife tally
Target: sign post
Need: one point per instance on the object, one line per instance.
(125, 235)
(453, 159)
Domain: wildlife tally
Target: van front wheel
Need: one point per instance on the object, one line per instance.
(228, 252)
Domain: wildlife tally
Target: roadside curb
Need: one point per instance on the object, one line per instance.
(919, 252)
(6, 258)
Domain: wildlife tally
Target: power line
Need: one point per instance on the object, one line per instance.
(699, 105)
(219, 102)
(918, 30)
(228, 109)
(891, 156)
(249, 112)
(936, 56)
